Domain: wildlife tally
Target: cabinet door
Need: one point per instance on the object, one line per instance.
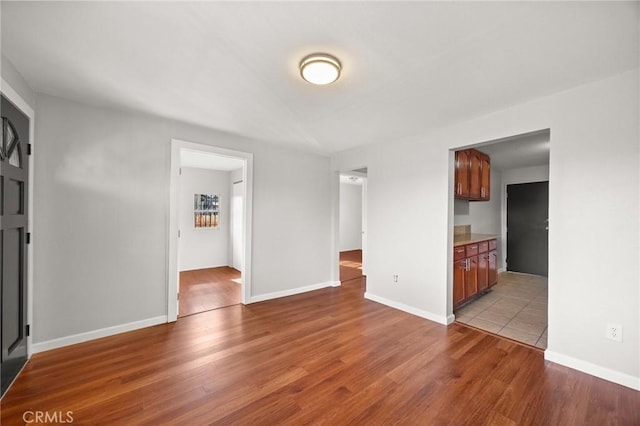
(459, 271)
(475, 174)
(493, 267)
(483, 271)
(471, 277)
(462, 174)
(485, 184)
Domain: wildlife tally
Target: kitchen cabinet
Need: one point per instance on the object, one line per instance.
(475, 270)
(459, 271)
(492, 273)
(471, 277)
(462, 174)
(472, 175)
(483, 271)
(485, 182)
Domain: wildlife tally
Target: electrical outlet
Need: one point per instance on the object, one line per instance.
(395, 278)
(614, 332)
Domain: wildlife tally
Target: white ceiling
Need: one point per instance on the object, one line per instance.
(408, 67)
(519, 151)
(205, 160)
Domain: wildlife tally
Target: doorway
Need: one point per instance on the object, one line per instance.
(15, 206)
(352, 226)
(528, 228)
(515, 306)
(237, 196)
(202, 240)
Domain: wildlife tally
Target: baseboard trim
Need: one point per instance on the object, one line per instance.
(336, 283)
(96, 334)
(500, 270)
(293, 291)
(594, 370)
(409, 309)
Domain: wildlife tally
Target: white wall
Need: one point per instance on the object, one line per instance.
(594, 237)
(17, 83)
(350, 217)
(102, 202)
(203, 248)
(525, 175)
(234, 176)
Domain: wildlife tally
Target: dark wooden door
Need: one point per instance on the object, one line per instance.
(527, 228)
(14, 183)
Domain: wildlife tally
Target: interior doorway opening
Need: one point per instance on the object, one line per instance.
(489, 289)
(209, 229)
(352, 227)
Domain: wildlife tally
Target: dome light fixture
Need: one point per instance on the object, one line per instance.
(320, 68)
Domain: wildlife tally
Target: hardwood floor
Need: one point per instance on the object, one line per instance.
(205, 289)
(350, 265)
(324, 357)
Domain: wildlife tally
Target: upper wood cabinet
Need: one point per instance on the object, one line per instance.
(473, 175)
(462, 174)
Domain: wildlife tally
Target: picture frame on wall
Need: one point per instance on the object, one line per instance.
(206, 211)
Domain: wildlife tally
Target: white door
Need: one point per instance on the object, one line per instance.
(236, 225)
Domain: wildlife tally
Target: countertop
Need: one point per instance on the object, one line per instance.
(459, 240)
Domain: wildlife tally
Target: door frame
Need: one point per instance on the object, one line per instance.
(335, 243)
(23, 106)
(232, 223)
(173, 273)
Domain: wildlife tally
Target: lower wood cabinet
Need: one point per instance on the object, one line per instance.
(475, 270)
(459, 272)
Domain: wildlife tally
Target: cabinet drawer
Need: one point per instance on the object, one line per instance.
(472, 250)
(483, 247)
(493, 244)
(458, 253)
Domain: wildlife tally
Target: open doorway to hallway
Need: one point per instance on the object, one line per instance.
(209, 260)
(501, 243)
(210, 277)
(352, 235)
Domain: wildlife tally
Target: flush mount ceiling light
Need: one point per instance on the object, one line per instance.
(320, 68)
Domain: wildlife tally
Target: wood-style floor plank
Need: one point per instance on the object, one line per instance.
(206, 289)
(324, 357)
(350, 265)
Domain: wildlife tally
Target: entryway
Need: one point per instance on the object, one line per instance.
(516, 217)
(14, 238)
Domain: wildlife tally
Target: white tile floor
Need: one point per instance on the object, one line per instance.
(516, 308)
